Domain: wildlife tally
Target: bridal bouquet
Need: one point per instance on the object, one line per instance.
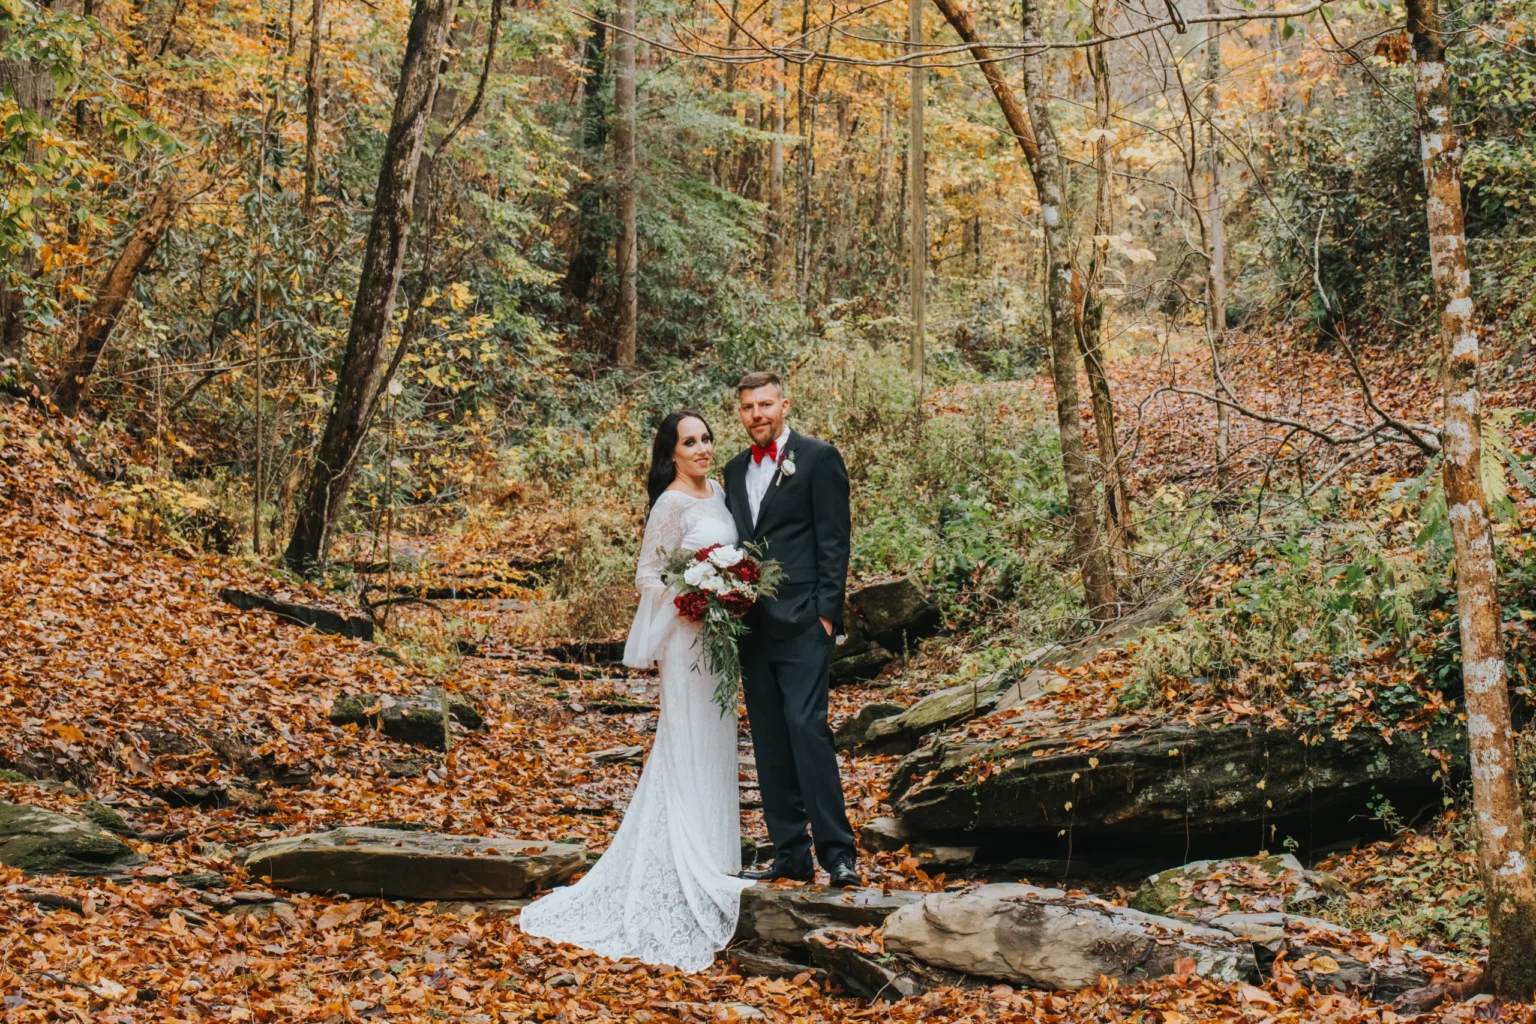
(718, 585)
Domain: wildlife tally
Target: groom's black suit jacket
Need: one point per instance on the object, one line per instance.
(803, 523)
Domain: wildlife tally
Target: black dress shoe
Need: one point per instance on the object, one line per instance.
(780, 870)
(844, 873)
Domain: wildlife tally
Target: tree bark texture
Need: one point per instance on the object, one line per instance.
(624, 144)
(1099, 590)
(590, 242)
(362, 375)
(312, 109)
(1215, 236)
(918, 193)
(111, 296)
(32, 88)
(1117, 502)
(1509, 889)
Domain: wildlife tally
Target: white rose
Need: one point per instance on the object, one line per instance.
(715, 584)
(726, 556)
(698, 573)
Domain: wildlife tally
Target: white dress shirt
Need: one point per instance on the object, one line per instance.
(760, 476)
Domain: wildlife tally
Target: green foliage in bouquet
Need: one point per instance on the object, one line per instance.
(716, 587)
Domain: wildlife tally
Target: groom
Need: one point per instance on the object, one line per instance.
(789, 496)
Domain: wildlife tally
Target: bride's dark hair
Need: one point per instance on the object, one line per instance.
(663, 467)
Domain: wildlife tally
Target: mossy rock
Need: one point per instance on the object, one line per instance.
(417, 718)
(900, 733)
(44, 843)
(1161, 892)
(854, 733)
(108, 819)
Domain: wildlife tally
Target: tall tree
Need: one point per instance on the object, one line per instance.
(590, 236)
(312, 109)
(1117, 501)
(1509, 889)
(778, 224)
(624, 144)
(30, 85)
(1215, 234)
(1036, 136)
(111, 296)
(918, 196)
(362, 376)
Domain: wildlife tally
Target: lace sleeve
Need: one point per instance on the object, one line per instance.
(656, 617)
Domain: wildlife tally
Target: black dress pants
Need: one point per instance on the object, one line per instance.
(786, 685)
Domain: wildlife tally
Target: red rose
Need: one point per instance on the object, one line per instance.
(702, 555)
(746, 570)
(692, 606)
(737, 604)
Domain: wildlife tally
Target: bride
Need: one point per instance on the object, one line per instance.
(664, 893)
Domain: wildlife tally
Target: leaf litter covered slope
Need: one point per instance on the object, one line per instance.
(121, 672)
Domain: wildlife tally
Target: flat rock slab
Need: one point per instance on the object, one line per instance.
(413, 865)
(44, 843)
(787, 915)
(1043, 938)
(414, 718)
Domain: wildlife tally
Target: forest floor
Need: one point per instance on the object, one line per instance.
(125, 680)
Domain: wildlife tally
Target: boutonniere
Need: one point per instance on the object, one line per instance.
(786, 467)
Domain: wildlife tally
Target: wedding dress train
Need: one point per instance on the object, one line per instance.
(665, 892)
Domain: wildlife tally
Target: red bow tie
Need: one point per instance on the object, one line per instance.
(771, 453)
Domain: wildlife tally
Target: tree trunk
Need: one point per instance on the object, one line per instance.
(1036, 137)
(777, 222)
(1117, 502)
(30, 85)
(1215, 238)
(624, 144)
(1509, 890)
(362, 376)
(918, 193)
(590, 242)
(111, 295)
(312, 109)
(1050, 184)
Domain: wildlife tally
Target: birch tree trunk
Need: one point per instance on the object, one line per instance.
(624, 146)
(1509, 889)
(1099, 590)
(112, 294)
(363, 371)
(1216, 237)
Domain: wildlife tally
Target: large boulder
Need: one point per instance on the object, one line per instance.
(413, 718)
(362, 861)
(44, 843)
(1215, 781)
(1043, 938)
(881, 621)
(786, 915)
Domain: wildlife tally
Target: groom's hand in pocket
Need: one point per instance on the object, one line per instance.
(826, 624)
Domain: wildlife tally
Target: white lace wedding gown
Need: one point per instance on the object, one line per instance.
(664, 893)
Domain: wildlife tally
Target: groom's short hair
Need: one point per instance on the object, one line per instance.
(759, 379)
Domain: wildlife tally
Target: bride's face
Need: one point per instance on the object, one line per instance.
(695, 451)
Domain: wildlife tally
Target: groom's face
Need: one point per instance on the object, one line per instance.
(762, 412)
